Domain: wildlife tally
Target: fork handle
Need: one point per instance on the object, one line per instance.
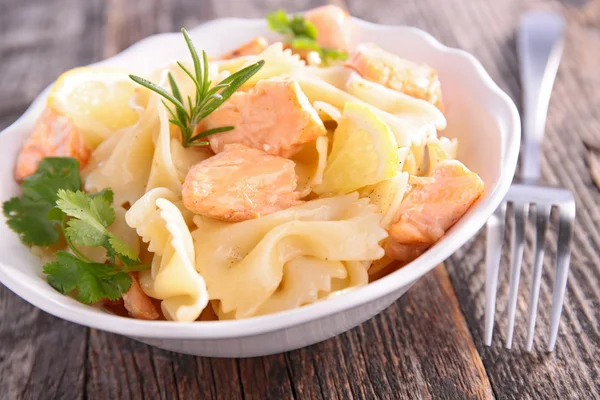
(539, 45)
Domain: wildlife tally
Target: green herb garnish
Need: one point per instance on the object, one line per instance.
(187, 116)
(26, 214)
(52, 204)
(301, 34)
(84, 220)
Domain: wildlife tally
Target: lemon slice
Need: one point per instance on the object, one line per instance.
(96, 99)
(364, 152)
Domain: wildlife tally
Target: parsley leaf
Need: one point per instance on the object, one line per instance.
(27, 214)
(86, 219)
(94, 281)
(122, 249)
(302, 34)
(53, 203)
(91, 217)
(304, 43)
(278, 21)
(301, 27)
(334, 54)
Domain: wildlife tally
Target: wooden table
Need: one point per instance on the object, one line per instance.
(429, 343)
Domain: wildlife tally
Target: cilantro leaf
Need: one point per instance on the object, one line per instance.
(95, 211)
(333, 54)
(52, 195)
(304, 43)
(302, 34)
(278, 21)
(303, 27)
(125, 253)
(106, 194)
(28, 218)
(81, 232)
(27, 214)
(91, 217)
(94, 281)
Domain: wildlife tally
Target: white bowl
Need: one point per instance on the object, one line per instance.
(480, 115)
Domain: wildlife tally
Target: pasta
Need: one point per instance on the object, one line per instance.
(123, 161)
(163, 172)
(243, 263)
(276, 176)
(277, 62)
(173, 278)
(310, 164)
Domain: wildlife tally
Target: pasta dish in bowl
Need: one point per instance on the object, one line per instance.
(255, 197)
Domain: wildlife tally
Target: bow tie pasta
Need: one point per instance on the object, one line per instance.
(243, 263)
(173, 278)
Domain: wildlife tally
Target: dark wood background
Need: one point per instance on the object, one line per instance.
(429, 343)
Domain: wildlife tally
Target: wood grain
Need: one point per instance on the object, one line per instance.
(572, 371)
(428, 344)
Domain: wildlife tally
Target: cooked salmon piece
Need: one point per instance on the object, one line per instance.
(334, 28)
(54, 135)
(274, 116)
(137, 303)
(255, 46)
(429, 210)
(416, 80)
(240, 183)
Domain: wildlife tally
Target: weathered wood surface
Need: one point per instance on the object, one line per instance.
(428, 344)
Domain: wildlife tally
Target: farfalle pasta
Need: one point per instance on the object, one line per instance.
(272, 177)
(173, 277)
(243, 263)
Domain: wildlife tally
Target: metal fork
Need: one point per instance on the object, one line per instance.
(539, 45)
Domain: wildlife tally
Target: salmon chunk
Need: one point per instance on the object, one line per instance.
(334, 28)
(240, 183)
(53, 135)
(429, 210)
(274, 116)
(137, 303)
(377, 65)
(255, 46)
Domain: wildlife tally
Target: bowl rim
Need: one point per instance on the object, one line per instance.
(63, 307)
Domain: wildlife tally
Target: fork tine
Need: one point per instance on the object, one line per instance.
(517, 243)
(495, 236)
(543, 214)
(563, 256)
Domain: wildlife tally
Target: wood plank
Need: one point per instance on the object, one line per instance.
(40, 40)
(40, 356)
(570, 372)
(420, 347)
(33, 344)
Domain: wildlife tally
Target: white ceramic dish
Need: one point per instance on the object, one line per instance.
(479, 114)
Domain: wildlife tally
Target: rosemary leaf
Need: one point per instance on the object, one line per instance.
(234, 81)
(207, 99)
(212, 131)
(206, 81)
(203, 143)
(155, 88)
(192, 77)
(194, 53)
(177, 93)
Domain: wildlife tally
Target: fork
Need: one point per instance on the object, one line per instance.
(539, 45)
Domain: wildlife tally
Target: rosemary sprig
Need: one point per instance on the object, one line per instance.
(187, 115)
